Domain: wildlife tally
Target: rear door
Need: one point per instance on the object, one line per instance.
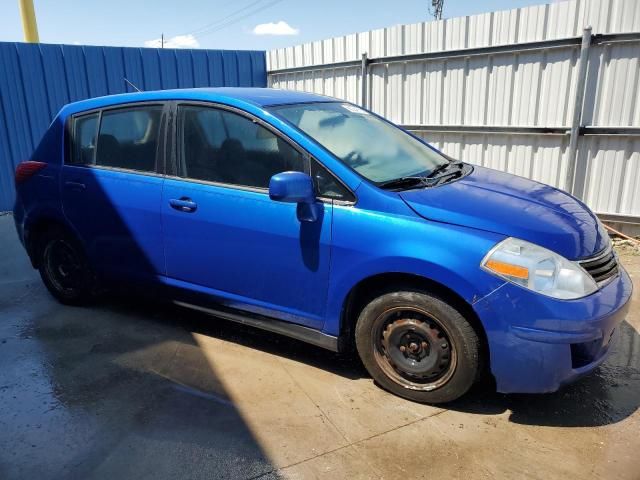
(112, 185)
(224, 236)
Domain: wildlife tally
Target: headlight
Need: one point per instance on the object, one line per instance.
(538, 269)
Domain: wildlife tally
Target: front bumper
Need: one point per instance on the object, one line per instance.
(537, 344)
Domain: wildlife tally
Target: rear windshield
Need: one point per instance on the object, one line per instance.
(375, 148)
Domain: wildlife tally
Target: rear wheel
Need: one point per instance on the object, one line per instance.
(418, 346)
(64, 269)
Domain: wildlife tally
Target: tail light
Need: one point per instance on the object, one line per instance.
(26, 170)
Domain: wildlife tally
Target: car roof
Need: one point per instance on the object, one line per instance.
(260, 97)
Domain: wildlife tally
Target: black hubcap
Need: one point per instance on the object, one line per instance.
(414, 349)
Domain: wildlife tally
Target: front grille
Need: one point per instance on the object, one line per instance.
(602, 266)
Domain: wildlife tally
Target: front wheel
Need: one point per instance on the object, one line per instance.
(418, 346)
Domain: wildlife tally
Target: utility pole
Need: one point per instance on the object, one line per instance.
(162, 40)
(436, 9)
(29, 25)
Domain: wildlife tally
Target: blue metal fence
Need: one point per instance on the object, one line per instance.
(37, 79)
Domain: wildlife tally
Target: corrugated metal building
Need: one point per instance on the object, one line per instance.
(499, 89)
(37, 79)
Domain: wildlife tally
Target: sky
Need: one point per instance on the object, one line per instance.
(239, 24)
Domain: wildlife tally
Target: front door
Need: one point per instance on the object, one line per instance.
(222, 233)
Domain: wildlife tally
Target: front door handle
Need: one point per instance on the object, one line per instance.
(75, 186)
(183, 204)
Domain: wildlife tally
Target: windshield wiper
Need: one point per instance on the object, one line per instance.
(404, 183)
(434, 178)
(429, 180)
(442, 167)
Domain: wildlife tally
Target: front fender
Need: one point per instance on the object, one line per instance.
(368, 243)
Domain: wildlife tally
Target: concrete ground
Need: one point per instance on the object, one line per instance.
(131, 389)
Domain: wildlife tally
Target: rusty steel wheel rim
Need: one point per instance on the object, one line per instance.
(413, 348)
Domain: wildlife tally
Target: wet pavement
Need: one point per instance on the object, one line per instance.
(137, 389)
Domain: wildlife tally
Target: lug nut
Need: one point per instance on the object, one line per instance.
(403, 348)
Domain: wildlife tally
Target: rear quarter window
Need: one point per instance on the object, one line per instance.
(85, 133)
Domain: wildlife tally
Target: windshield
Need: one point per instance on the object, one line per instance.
(373, 147)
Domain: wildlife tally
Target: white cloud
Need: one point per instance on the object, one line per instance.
(277, 28)
(179, 41)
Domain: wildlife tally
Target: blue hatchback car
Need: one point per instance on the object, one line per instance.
(311, 217)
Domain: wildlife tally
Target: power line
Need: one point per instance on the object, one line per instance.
(213, 24)
(236, 20)
(232, 18)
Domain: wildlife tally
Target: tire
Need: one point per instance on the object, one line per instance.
(64, 268)
(418, 346)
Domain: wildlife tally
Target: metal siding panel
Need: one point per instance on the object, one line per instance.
(613, 161)
(413, 94)
(555, 91)
(617, 100)
(456, 33)
(53, 64)
(433, 93)
(36, 80)
(453, 94)
(94, 61)
(35, 92)
(6, 163)
(74, 64)
(258, 68)
(395, 92)
(114, 70)
(378, 43)
(230, 62)
(505, 27)
(475, 90)
(184, 69)
(531, 26)
(13, 122)
(133, 69)
(244, 70)
(216, 69)
(168, 69)
(351, 47)
(200, 68)
(434, 36)
(479, 30)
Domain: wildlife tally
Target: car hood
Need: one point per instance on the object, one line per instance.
(513, 206)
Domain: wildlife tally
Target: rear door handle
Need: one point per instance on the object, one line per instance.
(183, 204)
(75, 185)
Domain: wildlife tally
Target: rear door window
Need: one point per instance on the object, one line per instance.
(225, 147)
(128, 138)
(125, 138)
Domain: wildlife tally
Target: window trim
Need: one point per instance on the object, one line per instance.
(160, 154)
(307, 157)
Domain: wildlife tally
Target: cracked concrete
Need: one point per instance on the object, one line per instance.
(132, 388)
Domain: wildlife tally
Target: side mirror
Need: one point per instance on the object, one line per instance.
(296, 187)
